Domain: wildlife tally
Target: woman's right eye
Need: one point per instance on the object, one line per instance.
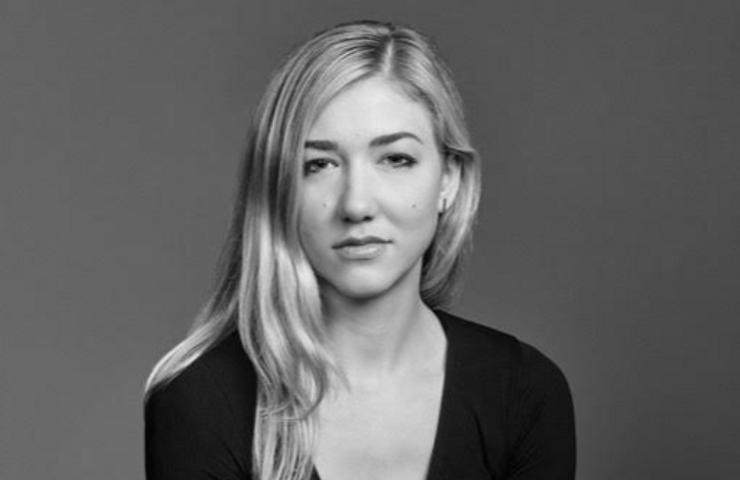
(315, 165)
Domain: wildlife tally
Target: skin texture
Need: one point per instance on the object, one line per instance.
(392, 191)
(380, 420)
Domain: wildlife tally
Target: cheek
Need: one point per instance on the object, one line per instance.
(421, 203)
(419, 221)
(313, 233)
(313, 208)
(311, 243)
(308, 226)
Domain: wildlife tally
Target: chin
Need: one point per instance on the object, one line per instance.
(359, 290)
(364, 286)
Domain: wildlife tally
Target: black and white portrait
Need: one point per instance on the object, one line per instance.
(380, 240)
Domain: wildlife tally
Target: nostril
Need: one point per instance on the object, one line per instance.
(358, 198)
(354, 208)
(356, 219)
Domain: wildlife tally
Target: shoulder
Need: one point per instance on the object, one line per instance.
(476, 346)
(478, 341)
(538, 374)
(222, 374)
(499, 369)
(519, 397)
(203, 418)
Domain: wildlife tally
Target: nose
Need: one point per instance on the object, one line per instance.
(357, 202)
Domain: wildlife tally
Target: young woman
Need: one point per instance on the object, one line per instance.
(324, 351)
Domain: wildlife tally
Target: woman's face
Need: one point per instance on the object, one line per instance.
(373, 183)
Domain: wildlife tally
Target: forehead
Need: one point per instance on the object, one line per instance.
(370, 108)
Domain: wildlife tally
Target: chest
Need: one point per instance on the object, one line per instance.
(388, 433)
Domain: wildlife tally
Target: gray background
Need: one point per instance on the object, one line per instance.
(608, 234)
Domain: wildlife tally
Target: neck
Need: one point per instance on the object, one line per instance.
(382, 337)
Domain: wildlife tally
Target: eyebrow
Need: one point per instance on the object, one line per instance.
(328, 145)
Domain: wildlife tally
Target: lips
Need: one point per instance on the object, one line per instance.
(359, 241)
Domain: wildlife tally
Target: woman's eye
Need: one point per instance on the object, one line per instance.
(315, 165)
(399, 160)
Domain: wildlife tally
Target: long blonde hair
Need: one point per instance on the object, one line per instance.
(266, 288)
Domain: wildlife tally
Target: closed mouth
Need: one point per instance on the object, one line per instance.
(358, 241)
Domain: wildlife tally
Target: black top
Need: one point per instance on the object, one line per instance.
(506, 413)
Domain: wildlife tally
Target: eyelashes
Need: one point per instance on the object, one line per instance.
(393, 160)
(399, 160)
(315, 165)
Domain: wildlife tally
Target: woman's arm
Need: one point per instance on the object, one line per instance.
(541, 421)
(189, 431)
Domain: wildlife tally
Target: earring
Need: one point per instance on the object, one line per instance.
(444, 205)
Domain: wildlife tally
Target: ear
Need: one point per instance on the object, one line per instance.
(450, 182)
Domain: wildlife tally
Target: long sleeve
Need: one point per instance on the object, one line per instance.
(189, 433)
(541, 421)
(199, 425)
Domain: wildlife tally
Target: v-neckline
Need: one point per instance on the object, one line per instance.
(433, 467)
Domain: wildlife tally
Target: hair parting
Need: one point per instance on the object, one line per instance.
(266, 288)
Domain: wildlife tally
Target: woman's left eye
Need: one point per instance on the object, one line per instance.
(398, 160)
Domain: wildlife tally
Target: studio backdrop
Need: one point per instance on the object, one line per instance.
(608, 231)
